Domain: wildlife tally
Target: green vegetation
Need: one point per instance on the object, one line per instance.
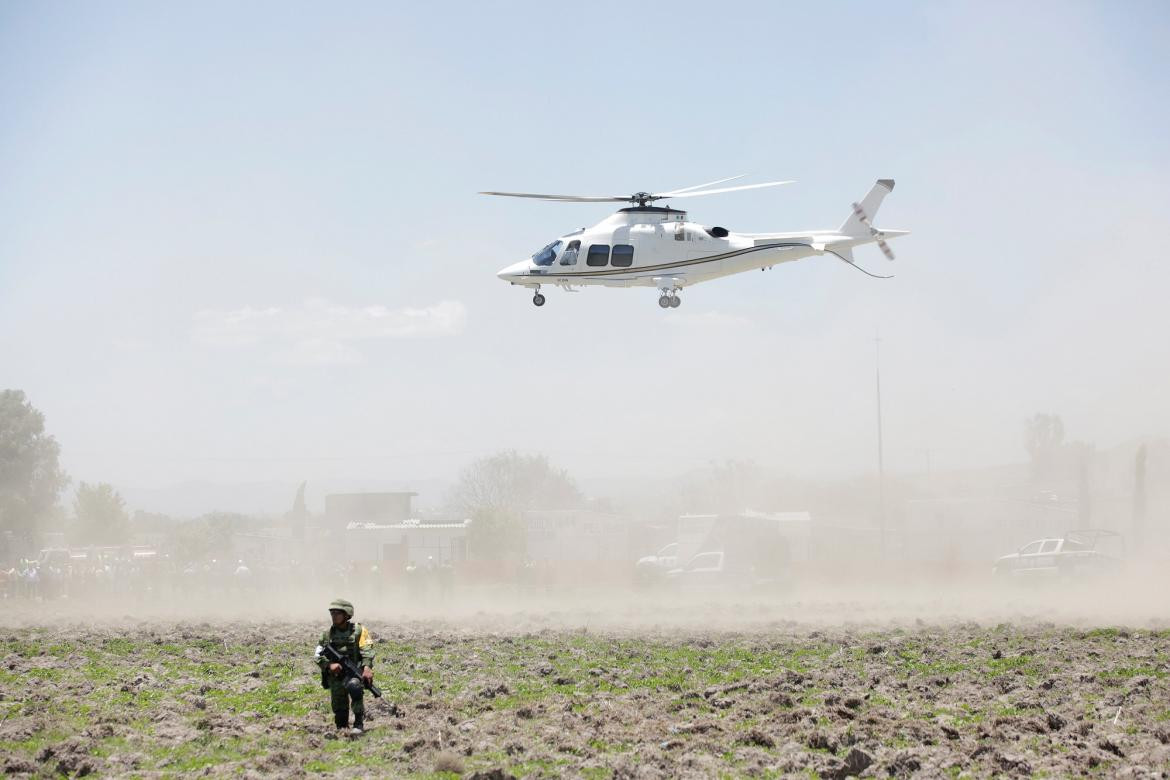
(558, 703)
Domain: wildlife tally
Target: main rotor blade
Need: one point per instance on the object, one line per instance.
(701, 186)
(570, 198)
(723, 189)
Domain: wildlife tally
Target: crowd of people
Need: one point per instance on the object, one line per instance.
(51, 577)
(148, 575)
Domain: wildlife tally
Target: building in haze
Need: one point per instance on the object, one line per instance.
(345, 509)
(411, 541)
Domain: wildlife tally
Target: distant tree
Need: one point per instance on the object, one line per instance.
(208, 537)
(152, 527)
(497, 534)
(31, 479)
(1043, 438)
(150, 522)
(495, 491)
(100, 515)
(723, 488)
(510, 481)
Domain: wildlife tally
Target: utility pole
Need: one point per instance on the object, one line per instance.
(877, 355)
(1139, 498)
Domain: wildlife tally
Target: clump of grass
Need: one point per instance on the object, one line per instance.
(1102, 633)
(447, 761)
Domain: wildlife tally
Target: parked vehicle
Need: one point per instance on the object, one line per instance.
(1076, 555)
(745, 561)
(702, 571)
(738, 551)
(652, 568)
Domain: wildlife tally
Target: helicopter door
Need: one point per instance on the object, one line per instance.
(570, 254)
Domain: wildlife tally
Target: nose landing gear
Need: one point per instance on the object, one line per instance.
(537, 298)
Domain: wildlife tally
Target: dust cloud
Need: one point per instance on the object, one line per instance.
(1076, 536)
(865, 600)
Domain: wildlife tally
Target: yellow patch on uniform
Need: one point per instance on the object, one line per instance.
(364, 639)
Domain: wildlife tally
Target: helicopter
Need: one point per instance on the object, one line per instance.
(644, 245)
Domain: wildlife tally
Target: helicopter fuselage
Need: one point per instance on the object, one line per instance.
(642, 245)
(654, 246)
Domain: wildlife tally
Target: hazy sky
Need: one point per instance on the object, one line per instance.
(241, 242)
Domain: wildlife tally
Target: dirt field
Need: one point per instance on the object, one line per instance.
(498, 697)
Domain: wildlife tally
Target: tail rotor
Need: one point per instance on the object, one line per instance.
(876, 234)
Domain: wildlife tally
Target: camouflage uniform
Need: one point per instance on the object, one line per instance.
(353, 641)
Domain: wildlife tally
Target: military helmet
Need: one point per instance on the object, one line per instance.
(343, 605)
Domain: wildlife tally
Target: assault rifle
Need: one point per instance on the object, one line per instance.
(348, 668)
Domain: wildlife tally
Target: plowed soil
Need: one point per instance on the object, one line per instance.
(492, 697)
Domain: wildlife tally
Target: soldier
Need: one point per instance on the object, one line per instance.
(353, 641)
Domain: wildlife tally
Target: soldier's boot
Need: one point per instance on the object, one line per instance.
(341, 718)
(353, 687)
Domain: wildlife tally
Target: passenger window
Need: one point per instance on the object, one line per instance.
(623, 256)
(1049, 546)
(570, 255)
(704, 561)
(1031, 549)
(598, 255)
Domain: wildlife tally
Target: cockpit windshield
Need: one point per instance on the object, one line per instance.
(547, 255)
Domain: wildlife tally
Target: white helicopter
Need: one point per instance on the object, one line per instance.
(656, 246)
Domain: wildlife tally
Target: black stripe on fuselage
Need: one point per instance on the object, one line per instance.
(611, 271)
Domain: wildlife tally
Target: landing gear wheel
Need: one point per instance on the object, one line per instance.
(664, 301)
(538, 299)
(675, 302)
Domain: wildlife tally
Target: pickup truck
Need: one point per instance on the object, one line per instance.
(722, 551)
(718, 569)
(1078, 554)
(703, 570)
(652, 568)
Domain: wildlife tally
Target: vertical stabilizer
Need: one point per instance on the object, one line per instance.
(853, 226)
